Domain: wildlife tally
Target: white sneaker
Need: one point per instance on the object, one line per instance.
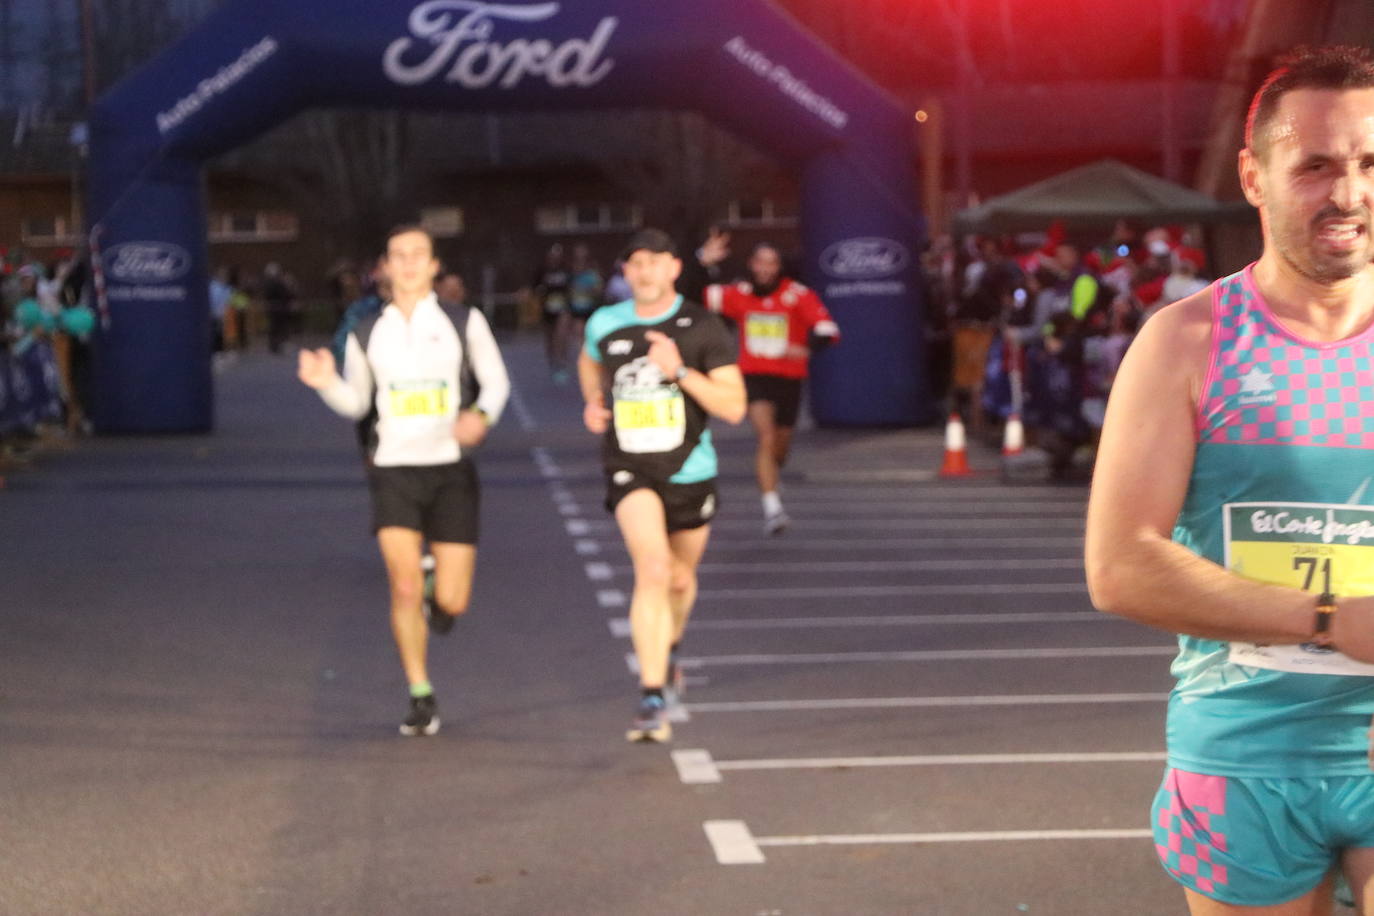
(775, 523)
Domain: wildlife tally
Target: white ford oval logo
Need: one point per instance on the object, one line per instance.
(863, 259)
(147, 262)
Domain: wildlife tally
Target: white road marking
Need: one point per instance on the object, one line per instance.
(829, 526)
(611, 597)
(986, 836)
(928, 655)
(732, 843)
(902, 620)
(577, 527)
(632, 662)
(791, 544)
(521, 411)
(843, 509)
(598, 572)
(1029, 699)
(569, 509)
(895, 591)
(586, 548)
(862, 566)
(697, 766)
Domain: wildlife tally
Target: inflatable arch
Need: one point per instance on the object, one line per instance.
(254, 63)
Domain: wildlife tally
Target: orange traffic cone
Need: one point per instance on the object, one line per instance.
(956, 449)
(1013, 436)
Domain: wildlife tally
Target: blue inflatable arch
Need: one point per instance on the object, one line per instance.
(742, 63)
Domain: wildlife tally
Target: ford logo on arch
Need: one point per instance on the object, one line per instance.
(864, 259)
(147, 262)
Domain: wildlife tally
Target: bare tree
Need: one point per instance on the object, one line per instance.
(681, 169)
(348, 171)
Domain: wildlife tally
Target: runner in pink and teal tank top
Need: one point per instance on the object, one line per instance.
(1280, 492)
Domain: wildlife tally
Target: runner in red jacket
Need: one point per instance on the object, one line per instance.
(780, 323)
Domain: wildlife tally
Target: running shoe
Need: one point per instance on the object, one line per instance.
(440, 623)
(651, 721)
(423, 718)
(775, 523)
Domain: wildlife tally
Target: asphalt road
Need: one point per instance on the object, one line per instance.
(905, 705)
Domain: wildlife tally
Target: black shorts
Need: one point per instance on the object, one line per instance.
(686, 505)
(440, 501)
(783, 393)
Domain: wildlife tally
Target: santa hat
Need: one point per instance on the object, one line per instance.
(1194, 256)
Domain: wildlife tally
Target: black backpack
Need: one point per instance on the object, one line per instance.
(468, 386)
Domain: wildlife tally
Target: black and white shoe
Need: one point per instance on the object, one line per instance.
(423, 718)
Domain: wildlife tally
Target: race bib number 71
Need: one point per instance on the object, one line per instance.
(1311, 546)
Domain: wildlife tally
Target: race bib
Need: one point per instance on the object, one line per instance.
(418, 399)
(1311, 546)
(651, 422)
(765, 335)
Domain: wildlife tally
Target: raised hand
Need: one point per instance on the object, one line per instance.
(715, 249)
(316, 368)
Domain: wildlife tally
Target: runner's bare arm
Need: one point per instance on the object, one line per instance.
(720, 392)
(1143, 466)
(595, 415)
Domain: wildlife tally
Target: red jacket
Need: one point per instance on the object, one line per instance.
(773, 329)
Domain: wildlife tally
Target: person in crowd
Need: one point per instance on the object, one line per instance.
(280, 299)
(552, 290)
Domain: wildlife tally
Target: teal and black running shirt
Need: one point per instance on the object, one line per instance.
(657, 430)
(1280, 492)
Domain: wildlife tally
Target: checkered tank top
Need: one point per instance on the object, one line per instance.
(1285, 456)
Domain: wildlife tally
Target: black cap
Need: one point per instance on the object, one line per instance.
(653, 240)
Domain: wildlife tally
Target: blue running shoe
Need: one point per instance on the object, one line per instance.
(651, 721)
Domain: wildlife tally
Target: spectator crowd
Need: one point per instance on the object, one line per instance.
(1037, 331)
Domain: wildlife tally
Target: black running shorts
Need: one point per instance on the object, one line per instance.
(783, 393)
(440, 501)
(686, 505)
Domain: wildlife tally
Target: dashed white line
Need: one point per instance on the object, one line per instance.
(732, 843)
(577, 527)
(598, 572)
(521, 411)
(586, 548)
(620, 627)
(575, 509)
(611, 597)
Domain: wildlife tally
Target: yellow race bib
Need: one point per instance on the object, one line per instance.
(418, 399)
(765, 335)
(1312, 546)
(656, 423)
